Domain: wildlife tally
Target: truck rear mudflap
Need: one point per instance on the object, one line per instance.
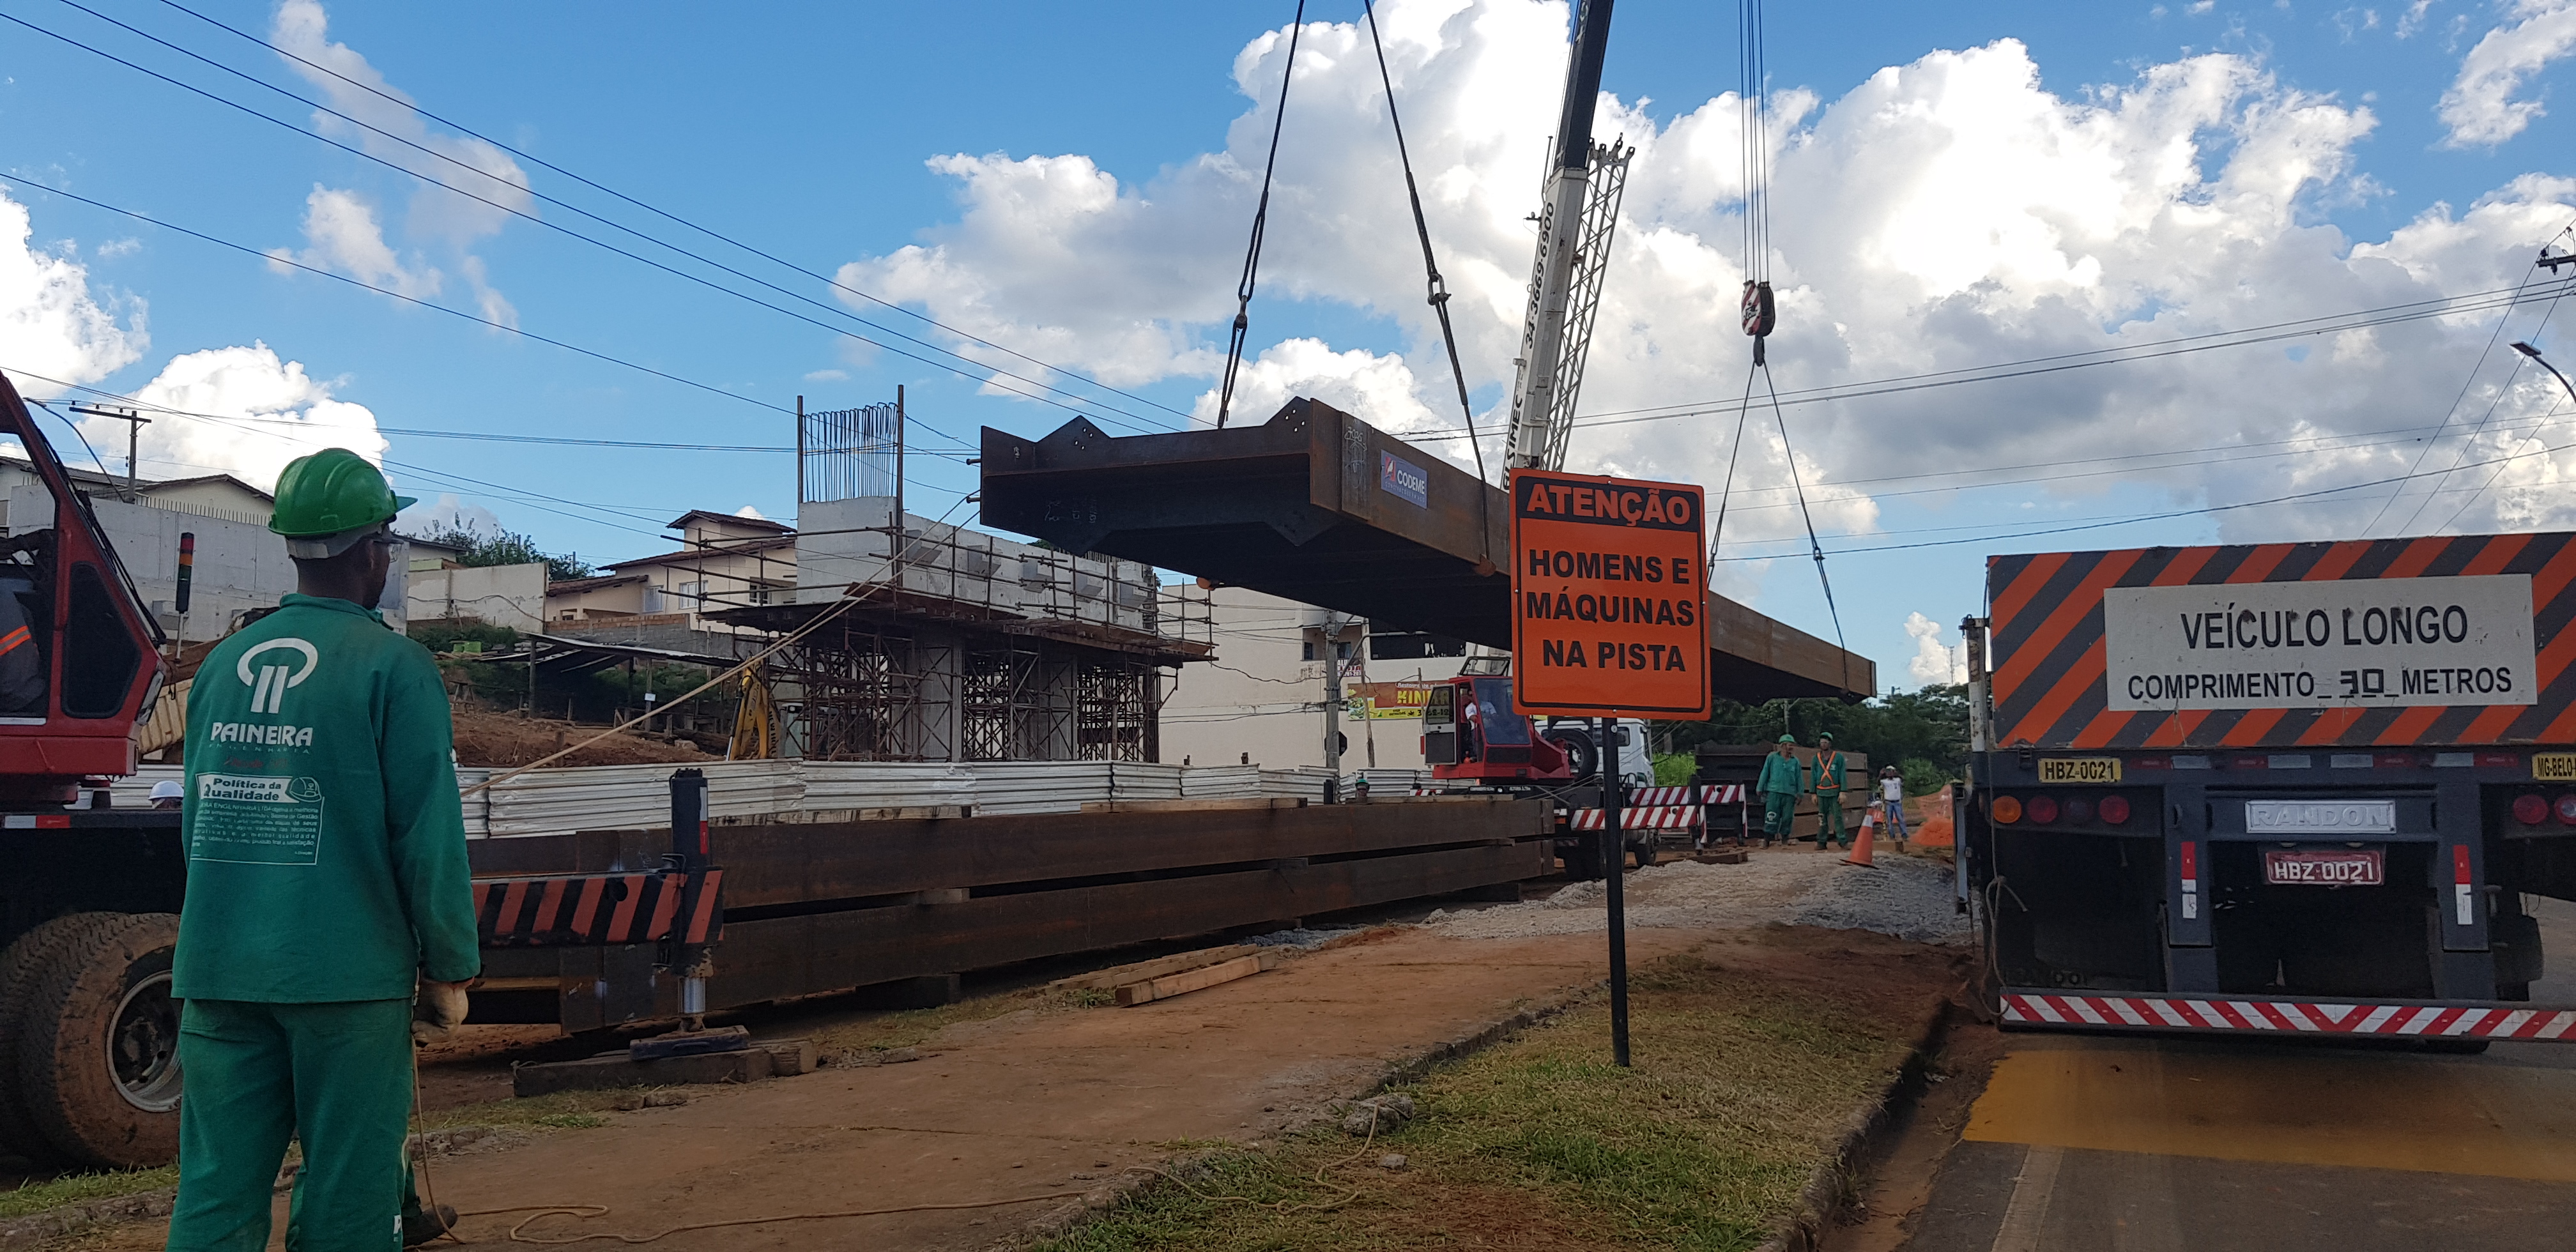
(2031, 1009)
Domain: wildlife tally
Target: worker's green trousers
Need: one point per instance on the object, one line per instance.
(1829, 820)
(337, 1077)
(1779, 812)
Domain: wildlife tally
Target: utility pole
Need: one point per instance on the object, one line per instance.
(135, 422)
(1333, 700)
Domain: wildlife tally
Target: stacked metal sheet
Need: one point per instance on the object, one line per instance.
(478, 803)
(885, 784)
(1386, 782)
(622, 797)
(1303, 782)
(1137, 780)
(628, 797)
(1222, 782)
(1039, 786)
(134, 791)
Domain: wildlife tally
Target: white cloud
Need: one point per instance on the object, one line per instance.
(1946, 213)
(828, 376)
(448, 512)
(114, 248)
(341, 228)
(752, 513)
(2480, 107)
(280, 413)
(1933, 661)
(469, 165)
(51, 324)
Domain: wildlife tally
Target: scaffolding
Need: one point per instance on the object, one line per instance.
(969, 647)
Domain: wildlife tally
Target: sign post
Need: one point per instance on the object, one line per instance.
(1609, 619)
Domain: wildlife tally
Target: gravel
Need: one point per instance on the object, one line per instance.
(1302, 937)
(1902, 896)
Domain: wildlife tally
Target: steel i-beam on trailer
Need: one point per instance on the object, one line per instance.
(1318, 506)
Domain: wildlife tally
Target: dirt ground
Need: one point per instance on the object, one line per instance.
(500, 740)
(1043, 1108)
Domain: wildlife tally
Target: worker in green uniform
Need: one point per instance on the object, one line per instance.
(1828, 776)
(1781, 782)
(327, 892)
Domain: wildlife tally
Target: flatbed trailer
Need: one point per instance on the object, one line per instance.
(2274, 789)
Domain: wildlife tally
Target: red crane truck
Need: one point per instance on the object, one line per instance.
(2275, 788)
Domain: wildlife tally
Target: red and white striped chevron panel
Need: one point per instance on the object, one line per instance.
(597, 909)
(1646, 797)
(2291, 1016)
(1657, 817)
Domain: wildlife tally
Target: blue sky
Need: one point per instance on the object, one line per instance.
(1958, 186)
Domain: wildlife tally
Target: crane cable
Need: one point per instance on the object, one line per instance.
(1439, 297)
(1760, 313)
(1260, 223)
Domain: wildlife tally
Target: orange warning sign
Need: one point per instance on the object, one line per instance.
(1608, 607)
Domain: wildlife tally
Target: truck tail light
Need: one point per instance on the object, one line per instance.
(2530, 810)
(2043, 809)
(2566, 807)
(2115, 810)
(2079, 810)
(2006, 810)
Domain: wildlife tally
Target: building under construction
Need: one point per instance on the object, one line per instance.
(914, 640)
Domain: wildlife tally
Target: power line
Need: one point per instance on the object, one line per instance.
(833, 281)
(980, 374)
(2178, 513)
(2446, 306)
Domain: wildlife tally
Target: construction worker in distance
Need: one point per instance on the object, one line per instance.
(1891, 799)
(166, 794)
(1781, 781)
(1828, 776)
(327, 893)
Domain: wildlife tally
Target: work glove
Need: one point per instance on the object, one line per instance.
(437, 1010)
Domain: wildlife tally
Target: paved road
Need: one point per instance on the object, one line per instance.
(2128, 1145)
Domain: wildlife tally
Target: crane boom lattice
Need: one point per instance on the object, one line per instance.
(1564, 300)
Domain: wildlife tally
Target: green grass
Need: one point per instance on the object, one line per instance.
(1737, 1094)
(36, 1197)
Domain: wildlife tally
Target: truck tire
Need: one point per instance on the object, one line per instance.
(97, 1056)
(1582, 758)
(21, 968)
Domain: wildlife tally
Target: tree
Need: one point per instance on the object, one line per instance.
(1923, 733)
(506, 547)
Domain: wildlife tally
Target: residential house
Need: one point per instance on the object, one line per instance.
(724, 561)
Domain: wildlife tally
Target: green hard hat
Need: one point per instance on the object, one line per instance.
(1789, 739)
(332, 492)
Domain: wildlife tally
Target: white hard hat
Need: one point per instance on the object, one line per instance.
(168, 789)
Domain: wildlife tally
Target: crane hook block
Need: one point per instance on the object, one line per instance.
(1760, 314)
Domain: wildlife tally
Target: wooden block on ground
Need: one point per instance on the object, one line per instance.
(1134, 994)
(1192, 806)
(1723, 856)
(788, 1057)
(1143, 971)
(614, 1070)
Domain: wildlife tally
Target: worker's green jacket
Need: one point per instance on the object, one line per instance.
(326, 845)
(1828, 772)
(1781, 775)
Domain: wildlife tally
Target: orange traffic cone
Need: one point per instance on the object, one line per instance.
(1860, 847)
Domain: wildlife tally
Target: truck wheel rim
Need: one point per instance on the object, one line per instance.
(143, 1046)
